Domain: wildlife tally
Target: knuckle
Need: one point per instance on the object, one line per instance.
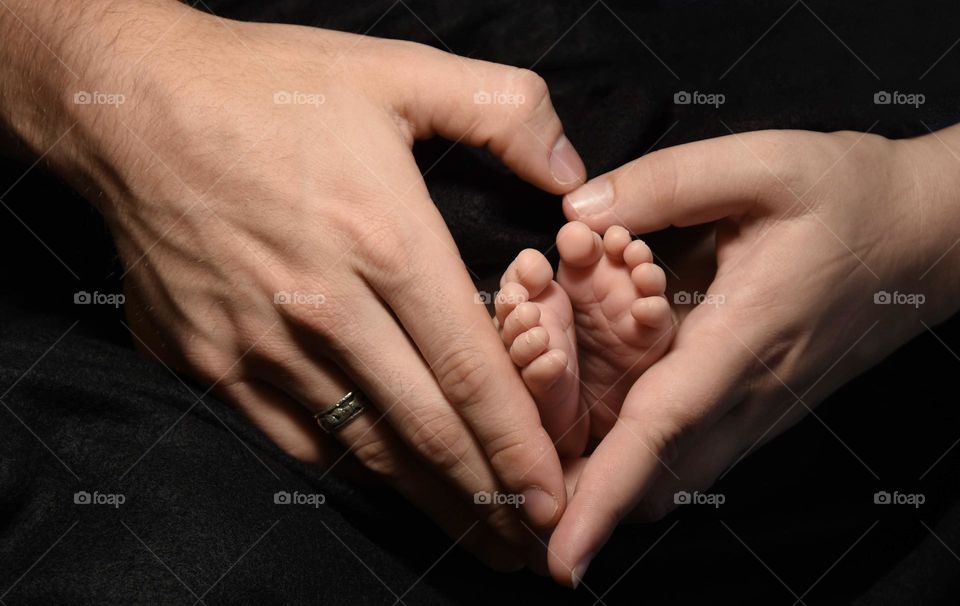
(505, 521)
(662, 438)
(512, 450)
(206, 363)
(463, 374)
(783, 166)
(531, 85)
(388, 253)
(536, 110)
(665, 443)
(660, 177)
(324, 321)
(376, 455)
(441, 441)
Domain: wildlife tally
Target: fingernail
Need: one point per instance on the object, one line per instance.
(565, 163)
(576, 575)
(592, 198)
(539, 506)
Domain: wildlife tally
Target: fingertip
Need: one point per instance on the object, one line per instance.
(540, 507)
(589, 201)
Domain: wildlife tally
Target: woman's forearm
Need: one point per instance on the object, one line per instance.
(936, 164)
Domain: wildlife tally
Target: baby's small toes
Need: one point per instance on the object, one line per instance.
(524, 317)
(528, 345)
(530, 269)
(649, 279)
(637, 252)
(541, 374)
(511, 294)
(579, 246)
(652, 311)
(615, 241)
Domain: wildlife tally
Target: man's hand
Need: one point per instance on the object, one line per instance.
(279, 241)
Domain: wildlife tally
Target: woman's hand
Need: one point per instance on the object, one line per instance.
(832, 250)
(280, 244)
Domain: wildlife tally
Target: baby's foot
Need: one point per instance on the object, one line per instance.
(536, 322)
(623, 322)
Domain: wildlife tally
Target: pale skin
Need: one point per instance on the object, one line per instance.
(582, 340)
(218, 198)
(809, 228)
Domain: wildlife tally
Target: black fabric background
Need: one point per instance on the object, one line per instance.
(201, 498)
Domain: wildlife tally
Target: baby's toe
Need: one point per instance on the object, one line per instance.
(653, 312)
(637, 252)
(524, 317)
(579, 246)
(530, 269)
(615, 241)
(511, 294)
(528, 345)
(649, 279)
(543, 372)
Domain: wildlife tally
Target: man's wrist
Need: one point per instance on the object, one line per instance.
(65, 66)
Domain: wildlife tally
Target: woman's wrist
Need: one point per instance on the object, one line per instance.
(934, 164)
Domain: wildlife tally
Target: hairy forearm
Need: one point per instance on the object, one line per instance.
(63, 66)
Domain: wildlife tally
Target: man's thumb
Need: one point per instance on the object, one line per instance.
(506, 109)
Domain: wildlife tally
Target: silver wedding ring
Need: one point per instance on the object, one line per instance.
(341, 413)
